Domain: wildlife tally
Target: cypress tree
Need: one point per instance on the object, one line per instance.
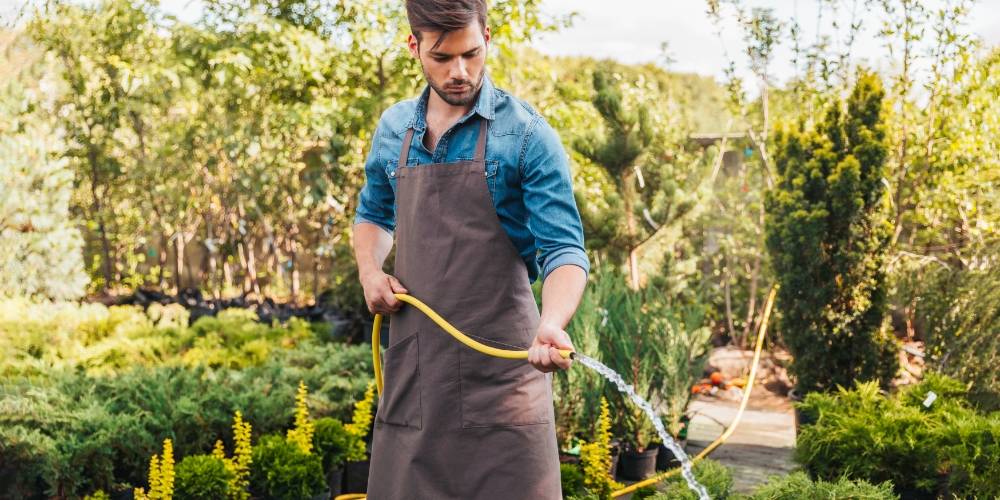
(828, 231)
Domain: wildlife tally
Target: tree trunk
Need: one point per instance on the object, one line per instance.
(293, 258)
(179, 260)
(162, 259)
(633, 249)
(99, 216)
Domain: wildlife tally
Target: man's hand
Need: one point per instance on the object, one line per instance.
(544, 351)
(379, 289)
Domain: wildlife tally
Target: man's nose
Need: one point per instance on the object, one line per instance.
(459, 69)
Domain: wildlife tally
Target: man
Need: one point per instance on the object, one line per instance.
(476, 187)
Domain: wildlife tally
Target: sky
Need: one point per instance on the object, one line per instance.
(632, 31)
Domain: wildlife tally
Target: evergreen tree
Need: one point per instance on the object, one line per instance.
(828, 232)
(41, 249)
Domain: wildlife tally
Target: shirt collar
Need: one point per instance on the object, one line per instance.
(485, 106)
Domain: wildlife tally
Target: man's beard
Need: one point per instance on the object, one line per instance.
(463, 99)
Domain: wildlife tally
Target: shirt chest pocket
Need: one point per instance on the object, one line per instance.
(489, 174)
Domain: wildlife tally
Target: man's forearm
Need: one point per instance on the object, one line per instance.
(561, 294)
(371, 246)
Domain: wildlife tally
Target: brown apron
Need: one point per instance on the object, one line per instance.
(453, 423)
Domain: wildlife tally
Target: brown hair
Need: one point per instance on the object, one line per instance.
(444, 16)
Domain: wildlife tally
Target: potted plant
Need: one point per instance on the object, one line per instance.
(595, 457)
(665, 459)
(331, 441)
(281, 470)
(638, 456)
(202, 477)
(357, 464)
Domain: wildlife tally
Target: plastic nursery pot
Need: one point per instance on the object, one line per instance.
(665, 459)
(323, 495)
(335, 480)
(639, 465)
(356, 477)
(616, 452)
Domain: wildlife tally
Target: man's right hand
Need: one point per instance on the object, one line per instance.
(379, 289)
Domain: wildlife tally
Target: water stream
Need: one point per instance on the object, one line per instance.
(611, 375)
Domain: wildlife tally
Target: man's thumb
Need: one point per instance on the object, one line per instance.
(397, 287)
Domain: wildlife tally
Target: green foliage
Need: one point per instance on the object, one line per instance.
(659, 348)
(949, 448)
(37, 337)
(282, 471)
(715, 477)
(595, 457)
(332, 441)
(572, 479)
(828, 233)
(361, 424)
(798, 485)
(645, 188)
(76, 433)
(202, 477)
(958, 312)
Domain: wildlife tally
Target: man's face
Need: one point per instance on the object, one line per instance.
(455, 68)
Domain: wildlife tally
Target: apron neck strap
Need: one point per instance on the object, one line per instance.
(404, 153)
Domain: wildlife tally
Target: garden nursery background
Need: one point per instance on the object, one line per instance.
(180, 314)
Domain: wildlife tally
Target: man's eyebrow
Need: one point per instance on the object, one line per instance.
(435, 53)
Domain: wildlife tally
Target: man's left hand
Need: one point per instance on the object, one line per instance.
(544, 351)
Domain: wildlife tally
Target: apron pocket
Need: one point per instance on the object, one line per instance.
(499, 392)
(400, 401)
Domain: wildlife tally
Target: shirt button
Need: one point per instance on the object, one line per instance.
(392, 174)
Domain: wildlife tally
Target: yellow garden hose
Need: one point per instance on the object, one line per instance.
(513, 354)
(461, 337)
(739, 413)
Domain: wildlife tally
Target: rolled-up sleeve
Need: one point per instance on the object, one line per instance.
(376, 201)
(553, 217)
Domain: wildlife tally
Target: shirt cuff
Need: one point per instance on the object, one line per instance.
(359, 219)
(563, 257)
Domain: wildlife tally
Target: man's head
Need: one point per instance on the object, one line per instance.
(450, 38)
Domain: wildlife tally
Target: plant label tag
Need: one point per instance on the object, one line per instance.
(929, 400)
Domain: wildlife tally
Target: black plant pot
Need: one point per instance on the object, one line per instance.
(335, 480)
(800, 417)
(616, 453)
(638, 465)
(665, 459)
(356, 477)
(324, 495)
(122, 493)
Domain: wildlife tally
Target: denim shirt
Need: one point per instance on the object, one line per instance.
(527, 173)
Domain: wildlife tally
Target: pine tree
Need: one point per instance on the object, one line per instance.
(828, 232)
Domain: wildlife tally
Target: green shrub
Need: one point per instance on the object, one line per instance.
(658, 347)
(74, 433)
(282, 471)
(797, 486)
(958, 311)
(715, 477)
(947, 449)
(572, 479)
(331, 440)
(828, 232)
(201, 477)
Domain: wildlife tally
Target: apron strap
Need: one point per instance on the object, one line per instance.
(404, 153)
(481, 141)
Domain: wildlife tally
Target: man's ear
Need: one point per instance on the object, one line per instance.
(487, 36)
(414, 45)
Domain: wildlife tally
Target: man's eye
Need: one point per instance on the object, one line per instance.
(440, 59)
